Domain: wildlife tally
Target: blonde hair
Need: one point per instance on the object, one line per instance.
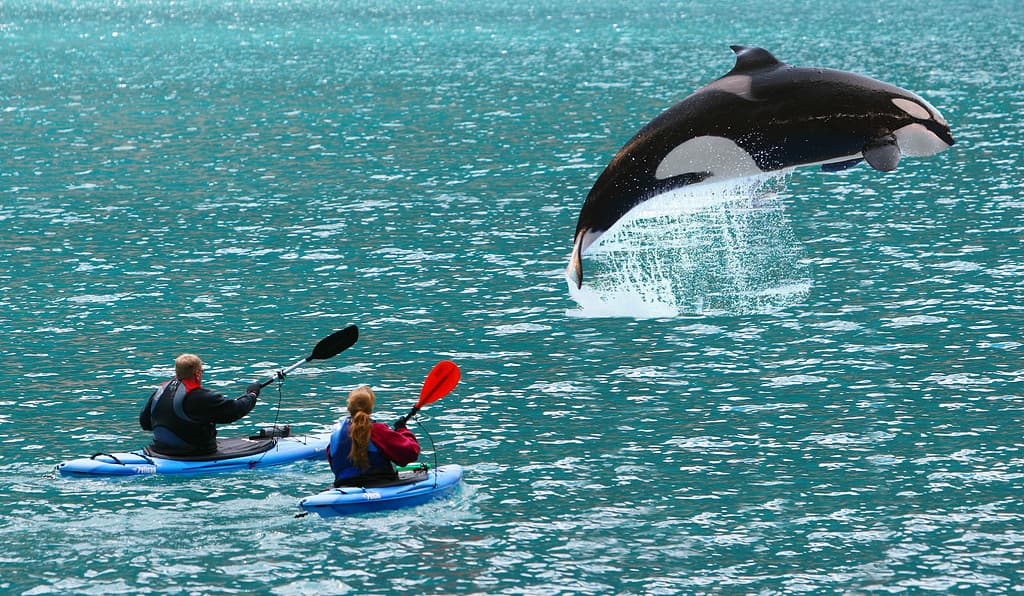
(187, 366)
(360, 406)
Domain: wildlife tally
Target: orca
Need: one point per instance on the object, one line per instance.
(762, 116)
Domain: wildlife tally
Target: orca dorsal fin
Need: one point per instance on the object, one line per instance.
(748, 58)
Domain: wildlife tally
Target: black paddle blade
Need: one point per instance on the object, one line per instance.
(335, 343)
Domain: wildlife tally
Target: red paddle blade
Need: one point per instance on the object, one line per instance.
(439, 383)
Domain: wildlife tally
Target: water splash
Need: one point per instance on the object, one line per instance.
(725, 248)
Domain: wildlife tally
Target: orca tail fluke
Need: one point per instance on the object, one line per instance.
(574, 272)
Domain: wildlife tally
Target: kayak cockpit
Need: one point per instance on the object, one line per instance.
(226, 449)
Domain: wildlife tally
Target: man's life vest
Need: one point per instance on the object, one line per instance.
(174, 432)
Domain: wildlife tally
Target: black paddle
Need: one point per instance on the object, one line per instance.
(328, 347)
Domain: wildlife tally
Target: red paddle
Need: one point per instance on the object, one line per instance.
(439, 383)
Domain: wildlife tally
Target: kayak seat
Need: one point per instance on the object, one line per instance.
(410, 477)
(226, 449)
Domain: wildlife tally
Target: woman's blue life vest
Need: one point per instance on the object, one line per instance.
(345, 471)
(174, 432)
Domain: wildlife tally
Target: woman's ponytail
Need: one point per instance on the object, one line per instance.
(360, 406)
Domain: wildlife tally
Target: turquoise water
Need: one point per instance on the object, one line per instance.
(839, 411)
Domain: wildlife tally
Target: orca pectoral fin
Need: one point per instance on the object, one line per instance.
(882, 154)
(840, 165)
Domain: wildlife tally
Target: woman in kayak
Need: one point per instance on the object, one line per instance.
(183, 414)
(363, 452)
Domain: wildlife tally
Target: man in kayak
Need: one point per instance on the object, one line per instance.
(183, 415)
(363, 452)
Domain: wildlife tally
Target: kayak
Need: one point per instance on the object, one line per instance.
(415, 486)
(232, 454)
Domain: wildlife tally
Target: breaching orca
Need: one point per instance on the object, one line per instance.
(762, 116)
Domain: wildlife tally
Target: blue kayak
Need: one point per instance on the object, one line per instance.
(232, 454)
(416, 487)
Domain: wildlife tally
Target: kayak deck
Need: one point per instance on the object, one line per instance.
(282, 450)
(439, 483)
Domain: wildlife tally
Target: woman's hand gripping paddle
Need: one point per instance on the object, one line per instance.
(442, 379)
(328, 347)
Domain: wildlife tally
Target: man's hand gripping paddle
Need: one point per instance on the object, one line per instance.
(442, 379)
(328, 347)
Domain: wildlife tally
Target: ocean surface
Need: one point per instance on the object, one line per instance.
(809, 385)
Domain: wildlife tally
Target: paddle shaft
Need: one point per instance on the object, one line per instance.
(405, 419)
(281, 374)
